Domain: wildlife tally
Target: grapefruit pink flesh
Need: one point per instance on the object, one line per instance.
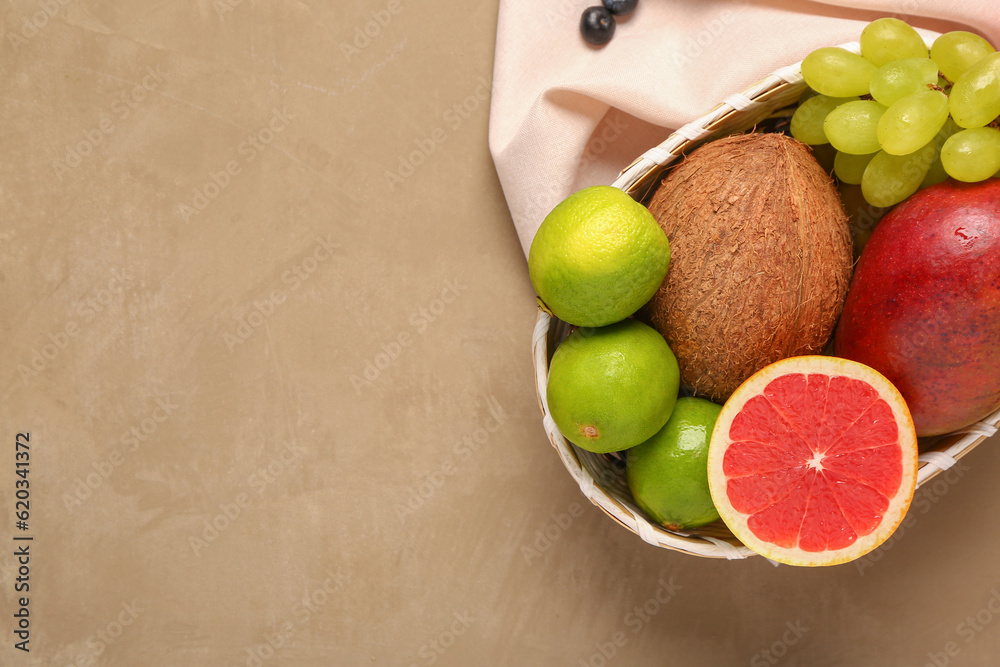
(815, 461)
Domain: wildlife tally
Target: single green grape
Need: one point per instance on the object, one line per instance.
(912, 122)
(975, 97)
(972, 155)
(900, 78)
(807, 121)
(955, 52)
(889, 179)
(836, 72)
(888, 39)
(853, 127)
(851, 168)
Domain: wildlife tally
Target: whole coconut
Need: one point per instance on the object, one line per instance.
(761, 259)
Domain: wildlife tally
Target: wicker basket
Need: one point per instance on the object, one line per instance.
(602, 477)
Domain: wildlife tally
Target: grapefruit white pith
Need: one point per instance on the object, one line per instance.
(813, 461)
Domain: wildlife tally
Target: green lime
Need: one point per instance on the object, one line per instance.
(668, 474)
(598, 257)
(612, 387)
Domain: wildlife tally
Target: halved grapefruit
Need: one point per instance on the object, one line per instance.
(813, 461)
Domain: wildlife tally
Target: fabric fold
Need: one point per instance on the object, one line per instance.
(565, 115)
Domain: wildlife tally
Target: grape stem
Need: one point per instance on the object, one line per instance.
(934, 86)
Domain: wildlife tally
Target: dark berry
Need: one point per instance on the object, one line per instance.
(620, 7)
(597, 25)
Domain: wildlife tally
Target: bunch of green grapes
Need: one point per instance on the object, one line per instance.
(902, 118)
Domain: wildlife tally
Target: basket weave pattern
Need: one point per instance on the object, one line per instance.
(600, 478)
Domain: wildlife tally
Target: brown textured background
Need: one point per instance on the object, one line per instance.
(183, 366)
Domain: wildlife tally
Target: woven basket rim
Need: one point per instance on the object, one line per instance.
(637, 179)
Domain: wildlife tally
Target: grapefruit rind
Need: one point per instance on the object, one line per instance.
(754, 386)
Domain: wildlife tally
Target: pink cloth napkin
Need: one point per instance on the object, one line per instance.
(565, 115)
